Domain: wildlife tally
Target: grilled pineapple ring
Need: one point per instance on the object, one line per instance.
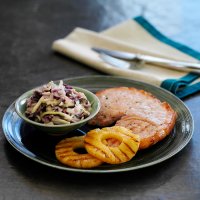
(96, 144)
(66, 154)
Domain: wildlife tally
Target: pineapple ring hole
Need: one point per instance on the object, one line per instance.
(111, 139)
(80, 150)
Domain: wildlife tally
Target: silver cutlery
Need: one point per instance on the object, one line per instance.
(120, 59)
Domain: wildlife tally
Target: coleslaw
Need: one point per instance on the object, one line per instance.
(57, 104)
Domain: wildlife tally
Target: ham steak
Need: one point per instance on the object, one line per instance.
(137, 110)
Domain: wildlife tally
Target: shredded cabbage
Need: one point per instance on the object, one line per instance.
(57, 104)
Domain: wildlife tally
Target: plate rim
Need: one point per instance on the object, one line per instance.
(66, 168)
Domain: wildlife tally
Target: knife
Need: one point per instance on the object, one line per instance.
(122, 56)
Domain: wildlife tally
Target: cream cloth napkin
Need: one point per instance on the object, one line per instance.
(129, 36)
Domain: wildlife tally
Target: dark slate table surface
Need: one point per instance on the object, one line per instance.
(27, 30)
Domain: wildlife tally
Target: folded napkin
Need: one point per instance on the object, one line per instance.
(138, 36)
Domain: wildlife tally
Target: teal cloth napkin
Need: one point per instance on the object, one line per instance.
(183, 86)
(135, 35)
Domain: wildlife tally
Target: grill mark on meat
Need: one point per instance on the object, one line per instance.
(149, 132)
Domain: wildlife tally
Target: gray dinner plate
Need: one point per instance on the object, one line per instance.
(39, 146)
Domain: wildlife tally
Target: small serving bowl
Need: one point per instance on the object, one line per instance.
(57, 130)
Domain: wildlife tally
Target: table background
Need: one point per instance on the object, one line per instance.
(27, 30)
